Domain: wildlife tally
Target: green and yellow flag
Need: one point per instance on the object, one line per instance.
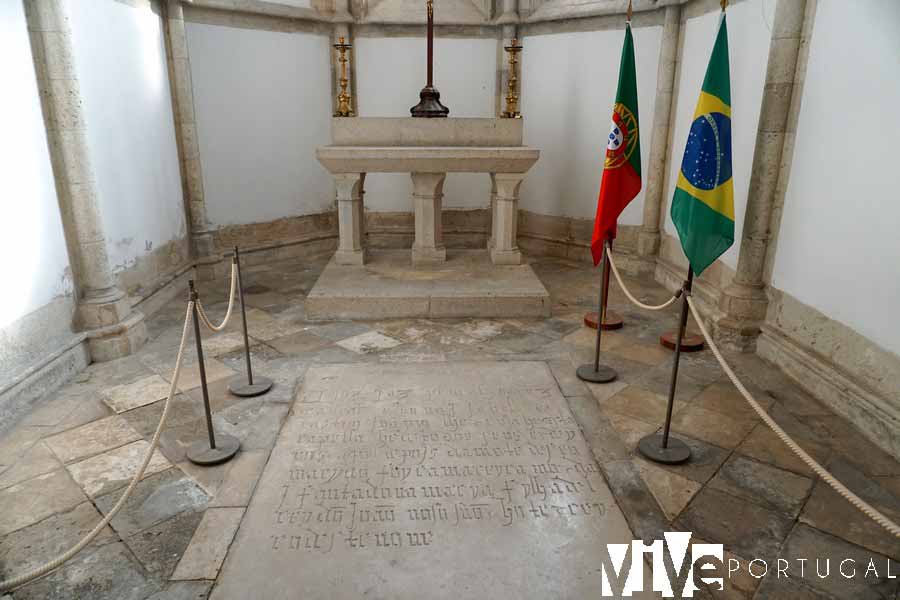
(703, 204)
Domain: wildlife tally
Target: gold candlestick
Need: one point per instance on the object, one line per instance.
(343, 100)
(512, 85)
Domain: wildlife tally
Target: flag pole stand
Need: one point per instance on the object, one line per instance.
(219, 448)
(597, 373)
(250, 385)
(611, 320)
(663, 448)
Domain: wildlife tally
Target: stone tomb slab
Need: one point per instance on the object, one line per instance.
(447, 480)
(389, 286)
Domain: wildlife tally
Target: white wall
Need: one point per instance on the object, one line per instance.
(35, 267)
(263, 103)
(749, 34)
(839, 243)
(121, 63)
(568, 89)
(390, 72)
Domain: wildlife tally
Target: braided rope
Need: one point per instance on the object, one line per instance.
(62, 558)
(615, 271)
(819, 470)
(205, 319)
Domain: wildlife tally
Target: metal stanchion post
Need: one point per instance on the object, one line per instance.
(662, 448)
(597, 373)
(251, 385)
(222, 447)
(604, 318)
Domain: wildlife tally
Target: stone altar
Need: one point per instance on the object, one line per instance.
(428, 149)
(462, 481)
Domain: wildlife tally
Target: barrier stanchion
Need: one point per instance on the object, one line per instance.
(663, 448)
(250, 385)
(222, 447)
(609, 320)
(597, 373)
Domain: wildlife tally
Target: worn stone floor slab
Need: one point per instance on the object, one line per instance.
(388, 286)
(385, 474)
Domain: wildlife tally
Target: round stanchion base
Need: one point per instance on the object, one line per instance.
(611, 322)
(201, 454)
(239, 386)
(689, 342)
(603, 374)
(674, 453)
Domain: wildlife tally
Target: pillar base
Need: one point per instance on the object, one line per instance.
(429, 256)
(743, 312)
(648, 243)
(350, 257)
(506, 257)
(119, 340)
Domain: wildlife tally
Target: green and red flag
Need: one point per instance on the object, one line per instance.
(703, 204)
(621, 179)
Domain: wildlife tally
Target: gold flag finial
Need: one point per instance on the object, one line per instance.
(629, 12)
(724, 4)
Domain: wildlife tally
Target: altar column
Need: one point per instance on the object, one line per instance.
(428, 192)
(504, 220)
(351, 220)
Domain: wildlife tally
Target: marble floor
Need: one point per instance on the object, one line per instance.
(66, 463)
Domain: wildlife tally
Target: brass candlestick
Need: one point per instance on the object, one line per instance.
(343, 99)
(512, 85)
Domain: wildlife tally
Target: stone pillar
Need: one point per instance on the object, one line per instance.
(104, 312)
(504, 220)
(351, 219)
(649, 234)
(202, 242)
(428, 193)
(493, 235)
(744, 301)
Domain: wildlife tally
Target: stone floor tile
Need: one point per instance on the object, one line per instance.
(36, 461)
(722, 397)
(564, 373)
(812, 544)
(32, 501)
(672, 491)
(585, 337)
(240, 479)
(89, 410)
(302, 341)
(658, 379)
(631, 431)
(339, 330)
(768, 486)
(208, 477)
(175, 440)
(260, 354)
(644, 515)
(190, 374)
(160, 547)
(210, 543)
(600, 435)
(705, 461)
(108, 573)
(15, 443)
(763, 445)
(145, 419)
(855, 448)
(828, 511)
(32, 546)
(744, 528)
(711, 426)
(265, 299)
(369, 342)
(788, 589)
(91, 439)
(604, 391)
(184, 590)
(258, 432)
(648, 354)
(117, 372)
(224, 342)
(155, 499)
(139, 393)
(115, 468)
(637, 403)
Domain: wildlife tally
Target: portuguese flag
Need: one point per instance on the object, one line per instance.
(622, 168)
(703, 204)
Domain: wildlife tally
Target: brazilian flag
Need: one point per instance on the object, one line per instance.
(703, 204)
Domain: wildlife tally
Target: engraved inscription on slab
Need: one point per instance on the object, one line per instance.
(449, 480)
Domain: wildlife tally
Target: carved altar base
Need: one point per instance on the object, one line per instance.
(423, 282)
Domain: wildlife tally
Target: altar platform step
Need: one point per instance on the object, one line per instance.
(389, 286)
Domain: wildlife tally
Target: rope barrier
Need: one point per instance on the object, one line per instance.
(15, 582)
(615, 271)
(205, 319)
(818, 469)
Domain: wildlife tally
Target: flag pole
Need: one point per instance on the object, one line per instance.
(604, 317)
(597, 373)
(663, 448)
